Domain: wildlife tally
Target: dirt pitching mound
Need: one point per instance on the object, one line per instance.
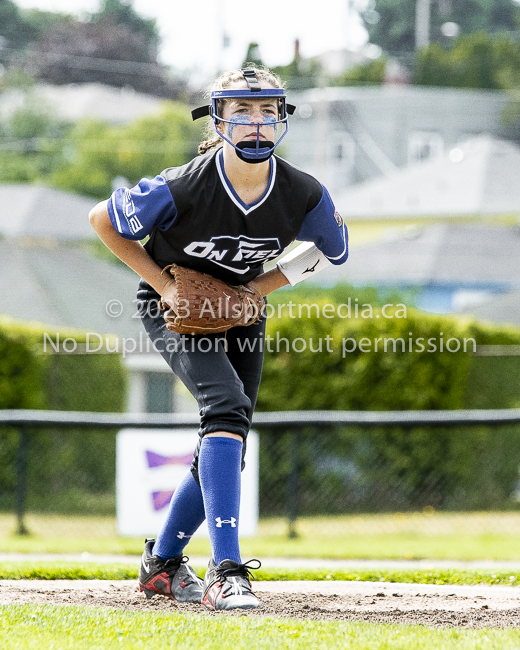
(373, 602)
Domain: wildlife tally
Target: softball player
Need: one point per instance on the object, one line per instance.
(226, 213)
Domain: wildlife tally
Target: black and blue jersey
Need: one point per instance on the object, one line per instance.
(194, 218)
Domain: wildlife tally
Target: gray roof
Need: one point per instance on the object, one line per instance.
(42, 212)
(66, 286)
(502, 309)
(92, 100)
(471, 254)
(477, 177)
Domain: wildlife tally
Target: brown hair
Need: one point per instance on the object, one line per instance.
(226, 80)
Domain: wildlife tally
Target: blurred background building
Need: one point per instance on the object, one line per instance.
(57, 273)
(348, 136)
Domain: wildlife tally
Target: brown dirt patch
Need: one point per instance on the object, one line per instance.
(390, 605)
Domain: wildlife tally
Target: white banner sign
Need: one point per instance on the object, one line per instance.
(150, 464)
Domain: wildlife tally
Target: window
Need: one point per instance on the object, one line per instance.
(341, 149)
(424, 145)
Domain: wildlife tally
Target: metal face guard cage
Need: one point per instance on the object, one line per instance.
(250, 151)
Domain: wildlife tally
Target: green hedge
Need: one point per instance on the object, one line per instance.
(21, 370)
(371, 378)
(373, 469)
(389, 467)
(32, 375)
(69, 469)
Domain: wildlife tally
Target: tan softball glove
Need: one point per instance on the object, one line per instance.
(207, 305)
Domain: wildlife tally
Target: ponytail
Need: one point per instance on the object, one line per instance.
(212, 143)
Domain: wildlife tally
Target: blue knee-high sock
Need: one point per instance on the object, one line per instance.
(220, 462)
(185, 515)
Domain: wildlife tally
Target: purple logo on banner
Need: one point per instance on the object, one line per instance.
(161, 499)
(157, 460)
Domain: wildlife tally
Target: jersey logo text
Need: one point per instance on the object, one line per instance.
(129, 211)
(235, 253)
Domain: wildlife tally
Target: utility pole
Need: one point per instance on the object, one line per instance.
(225, 40)
(348, 26)
(422, 23)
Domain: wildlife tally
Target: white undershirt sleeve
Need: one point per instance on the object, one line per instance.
(302, 262)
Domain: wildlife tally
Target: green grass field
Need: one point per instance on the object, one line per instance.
(422, 535)
(92, 570)
(80, 628)
(419, 535)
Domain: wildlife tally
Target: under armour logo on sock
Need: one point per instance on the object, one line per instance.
(231, 521)
(182, 535)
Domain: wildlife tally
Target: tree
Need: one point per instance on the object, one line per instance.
(40, 21)
(141, 149)
(122, 13)
(371, 72)
(116, 47)
(102, 51)
(18, 28)
(15, 33)
(391, 23)
(253, 55)
(300, 73)
(479, 60)
(87, 156)
(31, 146)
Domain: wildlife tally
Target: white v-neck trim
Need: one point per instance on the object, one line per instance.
(246, 209)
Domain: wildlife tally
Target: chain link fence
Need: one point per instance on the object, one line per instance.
(334, 471)
(311, 463)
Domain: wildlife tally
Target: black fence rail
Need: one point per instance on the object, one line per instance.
(311, 462)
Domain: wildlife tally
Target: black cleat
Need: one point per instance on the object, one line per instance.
(172, 578)
(227, 586)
